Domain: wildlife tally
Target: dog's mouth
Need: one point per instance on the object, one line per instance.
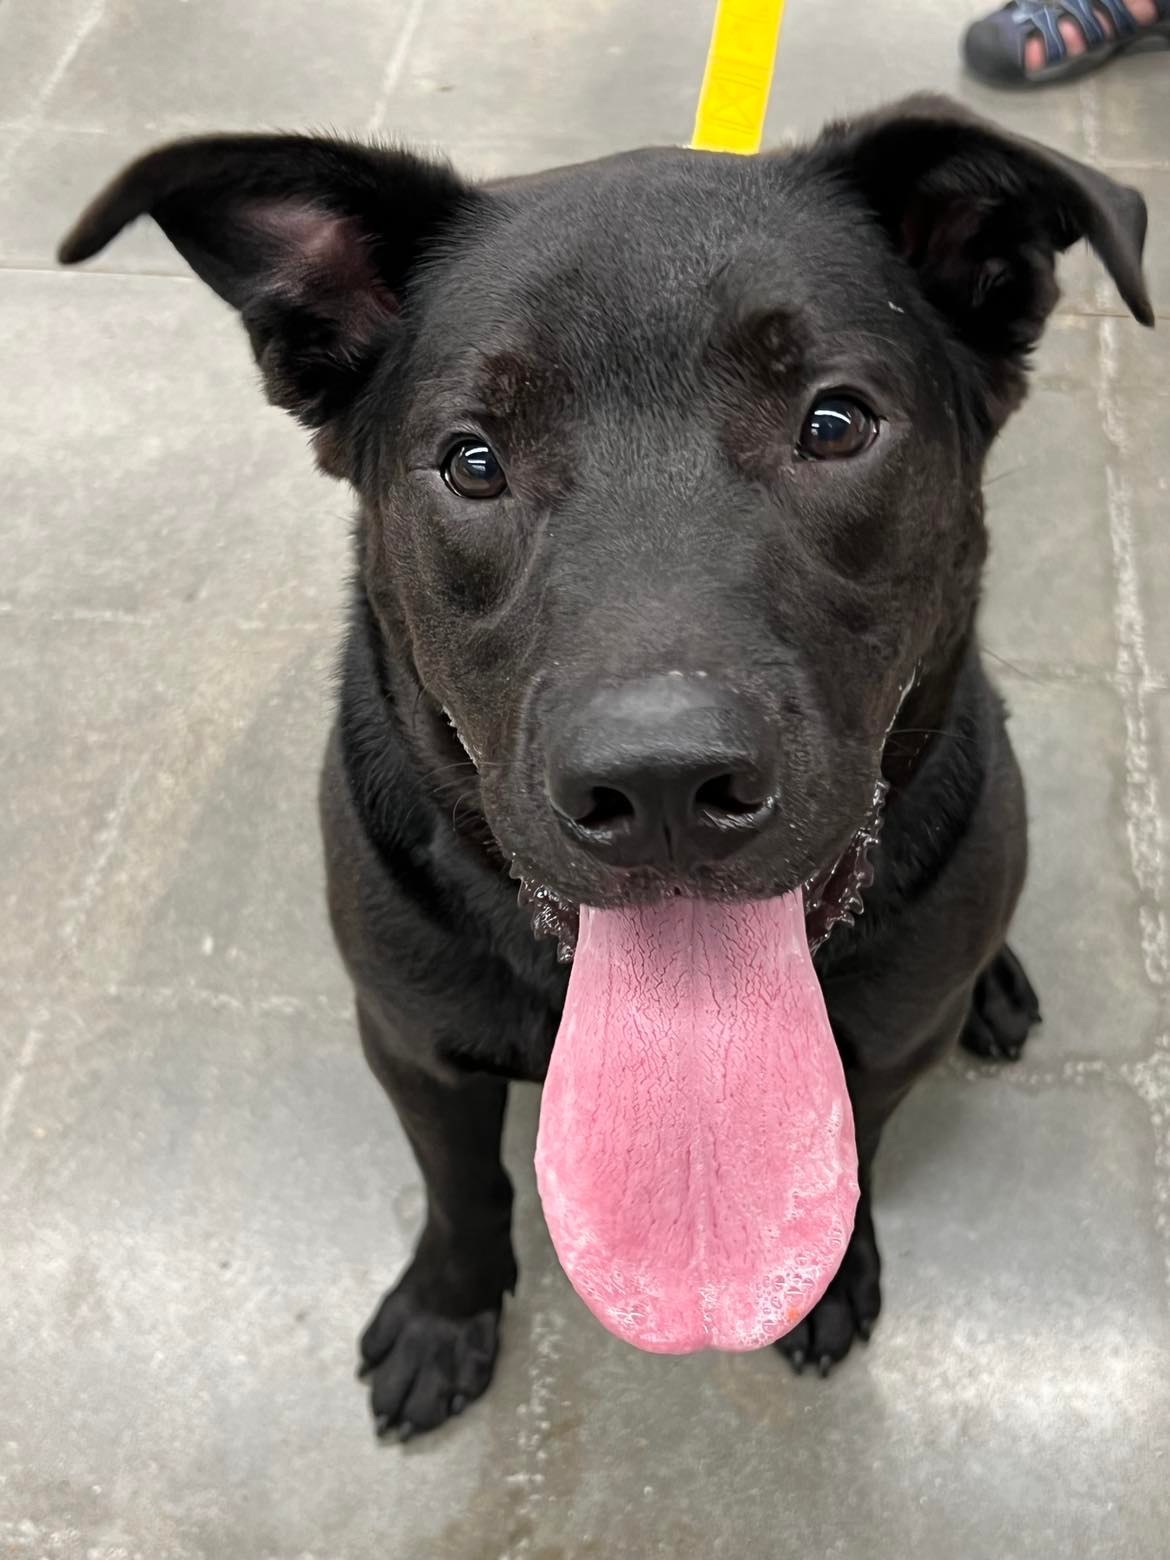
(832, 895)
(696, 1157)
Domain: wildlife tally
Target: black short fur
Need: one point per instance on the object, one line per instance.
(641, 339)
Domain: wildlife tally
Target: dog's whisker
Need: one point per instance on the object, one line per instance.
(446, 769)
(468, 799)
(934, 731)
(1002, 660)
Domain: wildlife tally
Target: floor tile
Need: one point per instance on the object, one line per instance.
(51, 177)
(836, 60)
(244, 1175)
(1078, 928)
(1129, 108)
(143, 471)
(1047, 515)
(170, 844)
(38, 43)
(1025, 1308)
(203, 1192)
(158, 69)
(1139, 402)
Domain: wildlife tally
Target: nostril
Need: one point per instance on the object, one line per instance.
(610, 806)
(730, 795)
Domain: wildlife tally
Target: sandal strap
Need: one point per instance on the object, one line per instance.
(1043, 17)
(1037, 16)
(1119, 14)
(1083, 14)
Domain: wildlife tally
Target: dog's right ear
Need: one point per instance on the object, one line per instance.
(312, 240)
(980, 215)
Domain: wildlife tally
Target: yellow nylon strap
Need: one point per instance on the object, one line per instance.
(734, 98)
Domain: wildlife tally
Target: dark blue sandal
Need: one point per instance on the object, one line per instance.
(994, 45)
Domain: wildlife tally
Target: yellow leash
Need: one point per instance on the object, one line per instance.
(738, 76)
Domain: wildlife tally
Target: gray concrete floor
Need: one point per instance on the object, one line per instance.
(202, 1193)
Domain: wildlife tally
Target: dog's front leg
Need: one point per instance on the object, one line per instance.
(431, 1345)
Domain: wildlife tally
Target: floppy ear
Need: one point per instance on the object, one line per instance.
(981, 216)
(312, 240)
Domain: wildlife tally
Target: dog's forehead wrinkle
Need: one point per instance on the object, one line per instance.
(620, 320)
(657, 224)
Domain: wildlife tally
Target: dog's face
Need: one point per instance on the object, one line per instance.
(675, 470)
(669, 465)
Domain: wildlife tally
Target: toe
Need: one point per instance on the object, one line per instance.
(391, 1382)
(428, 1403)
(382, 1332)
(794, 1345)
(832, 1330)
(475, 1356)
(1017, 985)
(434, 1368)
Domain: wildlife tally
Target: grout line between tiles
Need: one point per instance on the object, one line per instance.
(1151, 1080)
(116, 615)
(1090, 120)
(173, 998)
(330, 620)
(395, 65)
(66, 273)
(1140, 798)
(1144, 819)
(1065, 675)
(19, 1074)
(170, 999)
(1102, 313)
(1133, 165)
(79, 907)
(1026, 1075)
(545, 1347)
(52, 81)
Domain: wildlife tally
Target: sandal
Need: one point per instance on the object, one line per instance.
(994, 46)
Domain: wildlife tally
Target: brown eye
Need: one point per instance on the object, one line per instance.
(472, 470)
(837, 427)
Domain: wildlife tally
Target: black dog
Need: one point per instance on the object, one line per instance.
(669, 479)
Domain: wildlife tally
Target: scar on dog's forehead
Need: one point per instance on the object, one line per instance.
(510, 379)
(523, 388)
(755, 323)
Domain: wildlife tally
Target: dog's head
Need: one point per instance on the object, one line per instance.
(669, 464)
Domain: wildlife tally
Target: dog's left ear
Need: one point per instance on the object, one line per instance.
(981, 215)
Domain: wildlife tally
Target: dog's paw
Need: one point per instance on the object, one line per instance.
(1003, 1010)
(847, 1310)
(423, 1367)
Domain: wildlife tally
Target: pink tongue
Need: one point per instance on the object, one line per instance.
(696, 1158)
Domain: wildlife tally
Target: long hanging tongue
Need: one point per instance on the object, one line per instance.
(696, 1158)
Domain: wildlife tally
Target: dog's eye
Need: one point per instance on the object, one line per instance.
(837, 426)
(471, 469)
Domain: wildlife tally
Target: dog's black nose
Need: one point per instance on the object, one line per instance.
(669, 772)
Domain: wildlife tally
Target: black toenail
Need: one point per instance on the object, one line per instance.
(797, 1359)
(825, 1365)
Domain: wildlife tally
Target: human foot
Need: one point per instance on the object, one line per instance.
(1027, 42)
